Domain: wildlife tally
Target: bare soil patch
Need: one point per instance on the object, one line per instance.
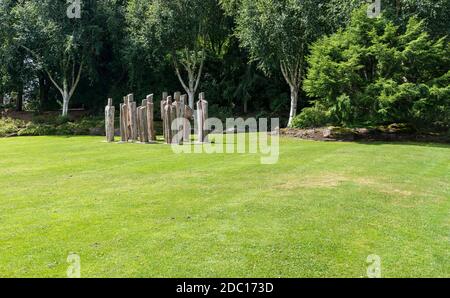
(389, 134)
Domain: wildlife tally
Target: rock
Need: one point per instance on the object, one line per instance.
(96, 131)
(343, 134)
(234, 130)
(326, 133)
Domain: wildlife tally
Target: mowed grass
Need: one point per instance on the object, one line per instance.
(134, 210)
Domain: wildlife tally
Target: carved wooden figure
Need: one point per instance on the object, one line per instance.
(202, 116)
(167, 120)
(186, 115)
(132, 118)
(177, 96)
(124, 127)
(142, 123)
(177, 121)
(109, 121)
(150, 121)
(163, 104)
(180, 115)
(173, 122)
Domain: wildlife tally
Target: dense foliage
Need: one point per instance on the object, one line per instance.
(50, 125)
(375, 73)
(248, 56)
(278, 33)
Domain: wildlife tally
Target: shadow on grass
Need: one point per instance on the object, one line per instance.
(404, 143)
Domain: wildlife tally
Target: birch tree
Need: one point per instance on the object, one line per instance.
(56, 44)
(192, 63)
(14, 69)
(277, 34)
(174, 30)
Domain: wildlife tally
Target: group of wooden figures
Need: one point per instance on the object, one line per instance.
(137, 123)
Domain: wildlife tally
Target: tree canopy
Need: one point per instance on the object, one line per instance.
(244, 54)
(375, 72)
(277, 35)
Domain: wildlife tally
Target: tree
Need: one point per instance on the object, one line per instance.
(277, 34)
(374, 72)
(58, 45)
(433, 12)
(176, 30)
(14, 67)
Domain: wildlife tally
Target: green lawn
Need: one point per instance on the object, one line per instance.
(135, 210)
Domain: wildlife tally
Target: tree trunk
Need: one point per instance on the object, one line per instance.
(245, 106)
(191, 96)
(398, 7)
(44, 88)
(109, 121)
(65, 108)
(19, 99)
(193, 83)
(202, 116)
(294, 102)
(65, 95)
(65, 90)
(133, 120)
(41, 91)
(191, 92)
(150, 124)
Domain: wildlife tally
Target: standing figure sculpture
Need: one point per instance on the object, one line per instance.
(124, 120)
(142, 122)
(177, 121)
(109, 121)
(163, 104)
(202, 116)
(167, 120)
(150, 122)
(187, 115)
(132, 110)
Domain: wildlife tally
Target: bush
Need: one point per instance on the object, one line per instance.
(33, 105)
(83, 127)
(219, 112)
(7, 106)
(9, 127)
(33, 129)
(311, 117)
(376, 73)
(53, 126)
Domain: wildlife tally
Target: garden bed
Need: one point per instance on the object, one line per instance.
(45, 125)
(389, 133)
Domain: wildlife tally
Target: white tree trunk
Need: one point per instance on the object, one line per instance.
(65, 107)
(292, 74)
(191, 96)
(194, 76)
(65, 90)
(66, 98)
(191, 91)
(294, 103)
